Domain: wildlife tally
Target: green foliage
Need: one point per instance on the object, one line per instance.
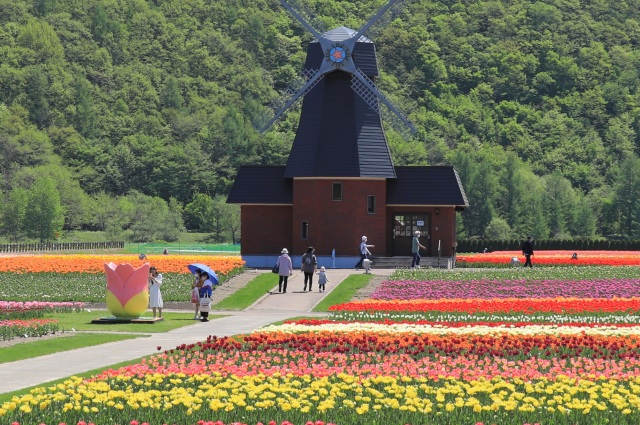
(159, 98)
(44, 216)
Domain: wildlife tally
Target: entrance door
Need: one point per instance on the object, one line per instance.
(404, 226)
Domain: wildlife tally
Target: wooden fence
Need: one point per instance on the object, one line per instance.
(58, 246)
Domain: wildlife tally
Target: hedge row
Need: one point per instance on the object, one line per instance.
(479, 245)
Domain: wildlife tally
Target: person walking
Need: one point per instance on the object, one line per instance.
(285, 269)
(364, 252)
(527, 251)
(415, 250)
(155, 296)
(309, 266)
(322, 279)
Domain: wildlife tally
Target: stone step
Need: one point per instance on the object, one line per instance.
(404, 262)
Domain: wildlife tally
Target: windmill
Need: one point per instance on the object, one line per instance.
(339, 52)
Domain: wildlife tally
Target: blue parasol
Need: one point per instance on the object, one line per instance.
(203, 268)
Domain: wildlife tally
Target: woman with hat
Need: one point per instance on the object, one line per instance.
(285, 269)
(309, 265)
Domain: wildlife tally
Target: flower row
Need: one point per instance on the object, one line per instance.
(10, 329)
(584, 258)
(463, 318)
(86, 263)
(336, 398)
(508, 288)
(502, 305)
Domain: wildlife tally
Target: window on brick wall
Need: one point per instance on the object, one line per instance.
(371, 204)
(304, 230)
(336, 192)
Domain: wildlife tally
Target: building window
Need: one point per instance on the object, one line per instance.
(371, 204)
(305, 230)
(336, 193)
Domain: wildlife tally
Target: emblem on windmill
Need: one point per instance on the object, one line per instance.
(340, 50)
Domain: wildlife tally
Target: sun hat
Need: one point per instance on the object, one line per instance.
(284, 251)
(364, 238)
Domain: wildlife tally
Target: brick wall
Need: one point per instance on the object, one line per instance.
(265, 229)
(339, 225)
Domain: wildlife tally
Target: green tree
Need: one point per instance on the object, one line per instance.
(585, 221)
(511, 190)
(627, 198)
(45, 214)
(170, 95)
(38, 100)
(198, 214)
(14, 214)
(85, 114)
(560, 205)
(498, 229)
(173, 223)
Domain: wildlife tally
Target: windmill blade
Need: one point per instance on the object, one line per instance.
(312, 77)
(302, 13)
(395, 5)
(366, 89)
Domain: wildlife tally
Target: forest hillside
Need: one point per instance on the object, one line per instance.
(536, 104)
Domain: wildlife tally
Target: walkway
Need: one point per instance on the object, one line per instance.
(272, 307)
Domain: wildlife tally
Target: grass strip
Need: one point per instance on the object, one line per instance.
(344, 292)
(81, 321)
(249, 294)
(36, 348)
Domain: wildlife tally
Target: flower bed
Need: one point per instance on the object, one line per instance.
(500, 352)
(552, 258)
(33, 309)
(10, 329)
(81, 277)
(90, 263)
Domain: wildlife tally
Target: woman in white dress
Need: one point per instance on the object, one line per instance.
(155, 296)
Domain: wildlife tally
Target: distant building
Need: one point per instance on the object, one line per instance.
(340, 183)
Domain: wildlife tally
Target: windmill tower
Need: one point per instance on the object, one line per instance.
(339, 183)
(340, 132)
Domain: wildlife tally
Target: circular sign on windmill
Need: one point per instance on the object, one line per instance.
(337, 54)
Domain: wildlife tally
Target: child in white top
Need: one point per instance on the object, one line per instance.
(322, 279)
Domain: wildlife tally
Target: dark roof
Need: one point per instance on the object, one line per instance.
(339, 135)
(426, 186)
(261, 185)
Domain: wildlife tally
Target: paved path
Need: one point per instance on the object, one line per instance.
(272, 307)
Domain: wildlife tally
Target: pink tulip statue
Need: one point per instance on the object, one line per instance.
(127, 290)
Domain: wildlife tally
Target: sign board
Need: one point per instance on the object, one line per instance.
(420, 223)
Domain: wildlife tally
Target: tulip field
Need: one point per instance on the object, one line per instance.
(556, 345)
(551, 258)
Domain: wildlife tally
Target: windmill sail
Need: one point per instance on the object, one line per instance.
(339, 47)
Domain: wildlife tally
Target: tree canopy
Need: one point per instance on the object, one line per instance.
(536, 103)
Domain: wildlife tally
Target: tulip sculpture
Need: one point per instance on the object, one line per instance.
(127, 290)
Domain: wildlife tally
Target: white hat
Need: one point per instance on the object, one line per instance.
(322, 268)
(417, 232)
(364, 238)
(284, 251)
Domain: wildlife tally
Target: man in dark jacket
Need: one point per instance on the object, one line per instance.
(527, 250)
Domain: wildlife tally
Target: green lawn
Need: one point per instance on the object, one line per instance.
(249, 294)
(37, 348)
(81, 321)
(344, 292)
